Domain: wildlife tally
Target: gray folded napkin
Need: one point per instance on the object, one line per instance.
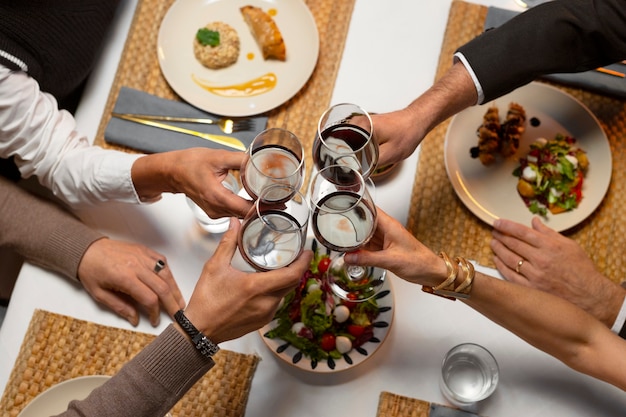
(590, 80)
(151, 139)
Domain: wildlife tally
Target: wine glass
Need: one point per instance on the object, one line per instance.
(345, 137)
(343, 219)
(275, 156)
(273, 232)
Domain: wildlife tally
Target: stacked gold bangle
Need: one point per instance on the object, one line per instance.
(447, 288)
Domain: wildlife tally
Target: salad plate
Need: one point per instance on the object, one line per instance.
(55, 399)
(380, 327)
(490, 191)
(190, 79)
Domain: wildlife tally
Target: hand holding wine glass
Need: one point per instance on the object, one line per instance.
(275, 156)
(343, 219)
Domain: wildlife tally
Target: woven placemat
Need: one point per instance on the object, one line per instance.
(139, 68)
(441, 221)
(394, 405)
(57, 348)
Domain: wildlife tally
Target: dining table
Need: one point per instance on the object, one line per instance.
(391, 55)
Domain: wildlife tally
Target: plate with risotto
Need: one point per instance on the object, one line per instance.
(536, 151)
(237, 57)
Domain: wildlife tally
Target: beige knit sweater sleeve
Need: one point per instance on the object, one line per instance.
(42, 232)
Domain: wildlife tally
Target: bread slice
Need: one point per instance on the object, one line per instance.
(265, 32)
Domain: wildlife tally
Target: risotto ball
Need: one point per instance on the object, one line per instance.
(224, 53)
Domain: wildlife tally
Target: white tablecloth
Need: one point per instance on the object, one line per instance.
(390, 57)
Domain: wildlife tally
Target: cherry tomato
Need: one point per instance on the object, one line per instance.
(323, 265)
(350, 304)
(328, 342)
(355, 330)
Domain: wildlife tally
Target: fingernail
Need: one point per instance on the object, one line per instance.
(132, 319)
(349, 258)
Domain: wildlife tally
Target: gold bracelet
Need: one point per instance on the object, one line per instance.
(453, 271)
(447, 289)
(468, 269)
(448, 283)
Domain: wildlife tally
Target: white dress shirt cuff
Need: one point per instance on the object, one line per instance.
(620, 320)
(479, 88)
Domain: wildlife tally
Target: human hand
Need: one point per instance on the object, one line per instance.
(228, 303)
(112, 271)
(196, 172)
(396, 134)
(555, 264)
(393, 248)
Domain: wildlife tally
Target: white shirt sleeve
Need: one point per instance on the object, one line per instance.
(479, 88)
(620, 320)
(45, 144)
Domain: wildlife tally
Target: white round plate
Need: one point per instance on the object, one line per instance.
(294, 357)
(179, 65)
(490, 192)
(55, 399)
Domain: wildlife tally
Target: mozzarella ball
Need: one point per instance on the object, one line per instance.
(341, 313)
(343, 344)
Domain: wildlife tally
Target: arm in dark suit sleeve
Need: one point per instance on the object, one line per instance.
(556, 37)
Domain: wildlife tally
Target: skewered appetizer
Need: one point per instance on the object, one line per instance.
(495, 138)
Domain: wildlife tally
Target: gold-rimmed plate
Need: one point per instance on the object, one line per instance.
(490, 192)
(187, 76)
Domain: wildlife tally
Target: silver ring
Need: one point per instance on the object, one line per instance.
(519, 265)
(160, 264)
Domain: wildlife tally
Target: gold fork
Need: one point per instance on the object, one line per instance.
(227, 125)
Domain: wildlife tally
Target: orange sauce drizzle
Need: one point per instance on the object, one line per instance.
(254, 87)
(272, 12)
(250, 56)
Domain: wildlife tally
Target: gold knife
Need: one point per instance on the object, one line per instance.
(221, 139)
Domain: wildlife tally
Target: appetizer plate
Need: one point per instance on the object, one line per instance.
(55, 399)
(294, 357)
(180, 66)
(490, 192)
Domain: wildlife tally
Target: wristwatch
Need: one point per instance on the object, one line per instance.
(200, 341)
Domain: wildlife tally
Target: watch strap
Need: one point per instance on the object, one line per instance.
(200, 341)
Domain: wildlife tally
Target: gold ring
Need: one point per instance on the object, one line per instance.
(519, 265)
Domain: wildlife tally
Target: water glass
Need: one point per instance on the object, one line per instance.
(469, 374)
(208, 223)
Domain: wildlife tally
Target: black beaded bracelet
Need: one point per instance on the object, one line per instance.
(200, 341)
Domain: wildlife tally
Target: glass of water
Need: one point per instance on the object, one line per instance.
(469, 374)
(273, 233)
(208, 223)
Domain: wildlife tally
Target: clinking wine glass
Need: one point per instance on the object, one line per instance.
(343, 219)
(275, 156)
(273, 233)
(345, 137)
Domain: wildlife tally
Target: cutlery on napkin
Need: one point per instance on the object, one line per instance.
(600, 81)
(151, 139)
